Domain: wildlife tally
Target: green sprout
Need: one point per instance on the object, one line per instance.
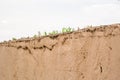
(53, 32)
(45, 33)
(14, 38)
(69, 29)
(35, 36)
(64, 30)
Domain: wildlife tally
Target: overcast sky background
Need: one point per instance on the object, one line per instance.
(22, 18)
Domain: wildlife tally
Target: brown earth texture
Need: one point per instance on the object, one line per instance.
(87, 54)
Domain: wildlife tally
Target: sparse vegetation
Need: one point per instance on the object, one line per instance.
(54, 32)
(64, 30)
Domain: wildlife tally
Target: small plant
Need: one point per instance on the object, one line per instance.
(63, 30)
(67, 30)
(39, 34)
(35, 36)
(53, 32)
(45, 33)
(14, 38)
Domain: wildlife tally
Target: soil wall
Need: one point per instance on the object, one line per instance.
(87, 54)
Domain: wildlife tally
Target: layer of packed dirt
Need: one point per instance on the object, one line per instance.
(87, 54)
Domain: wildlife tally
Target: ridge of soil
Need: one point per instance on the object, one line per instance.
(103, 30)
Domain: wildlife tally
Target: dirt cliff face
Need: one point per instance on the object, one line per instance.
(87, 54)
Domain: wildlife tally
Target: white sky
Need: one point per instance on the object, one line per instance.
(22, 18)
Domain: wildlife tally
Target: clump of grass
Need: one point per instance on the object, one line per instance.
(53, 32)
(64, 30)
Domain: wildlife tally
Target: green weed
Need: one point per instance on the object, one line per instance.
(14, 38)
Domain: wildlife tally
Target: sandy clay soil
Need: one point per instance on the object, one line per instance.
(87, 54)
